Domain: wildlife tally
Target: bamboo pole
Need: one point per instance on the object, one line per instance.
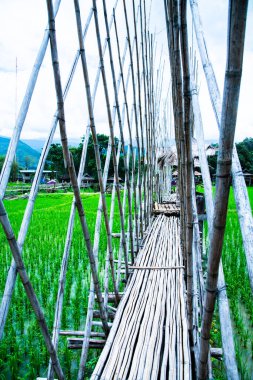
(97, 233)
(16, 252)
(10, 155)
(121, 136)
(98, 220)
(150, 127)
(146, 215)
(128, 232)
(239, 186)
(172, 23)
(152, 119)
(189, 161)
(136, 120)
(236, 35)
(130, 136)
(198, 292)
(94, 133)
(124, 198)
(140, 111)
(68, 240)
(157, 130)
(224, 313)
(69, 161)
(106, 275)
(146, 74)
(12, 272)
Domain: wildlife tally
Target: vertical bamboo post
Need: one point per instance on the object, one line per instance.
(121, 135)
(69, 160)
(239, 186)
(12, 272)
(235, 49)
(145, 53)
(140, 111)
(146, 216)
(94, 136)
(59, 302)
(151, 136)
(89, 316)
(189, 161)
(172, 23)
(136, 119)
(130, 135)
(225, 320)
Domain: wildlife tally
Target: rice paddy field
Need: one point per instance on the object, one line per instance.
(239, 294)
(22, 352)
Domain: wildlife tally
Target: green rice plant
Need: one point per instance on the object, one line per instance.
(238, 290)
(22, 352)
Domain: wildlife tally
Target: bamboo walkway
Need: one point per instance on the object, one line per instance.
(149, 337)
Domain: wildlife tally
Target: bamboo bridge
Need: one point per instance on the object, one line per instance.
(144, 316)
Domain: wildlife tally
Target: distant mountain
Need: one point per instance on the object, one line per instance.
(38, 144)
(34, 144)
(26, 156)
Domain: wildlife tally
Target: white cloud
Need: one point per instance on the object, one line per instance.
(21, 32)
(214, 20)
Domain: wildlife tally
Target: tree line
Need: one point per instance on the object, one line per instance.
(245, 154)
(55, 160)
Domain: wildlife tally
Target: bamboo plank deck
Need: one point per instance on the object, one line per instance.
(149, 337)
(170, 208)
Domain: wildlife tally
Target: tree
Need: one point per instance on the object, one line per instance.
(90, 166)
(55, 160)
(14, 169)
(55, 157)
(28, 161)
(245, 153)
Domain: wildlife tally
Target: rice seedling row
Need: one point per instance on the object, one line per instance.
(22, 351)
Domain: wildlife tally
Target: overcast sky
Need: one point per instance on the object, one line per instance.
(22, 24)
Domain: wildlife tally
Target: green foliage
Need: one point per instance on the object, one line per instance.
(245, 154)
(55, 160)
(212, 162)
(239, 294)
(14, 169)
(55, 157)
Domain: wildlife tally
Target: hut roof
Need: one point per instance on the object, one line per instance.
(111, 179)
(86, 176)
(170, 157)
